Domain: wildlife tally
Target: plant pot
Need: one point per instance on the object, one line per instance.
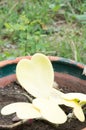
(68, 75)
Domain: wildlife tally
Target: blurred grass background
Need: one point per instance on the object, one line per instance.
(52, 27)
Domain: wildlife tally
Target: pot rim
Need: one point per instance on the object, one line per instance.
(12, 77)
(52, 58)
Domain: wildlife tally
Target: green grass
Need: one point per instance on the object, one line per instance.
(53, 27)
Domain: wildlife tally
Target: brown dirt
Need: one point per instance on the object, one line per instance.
(12, 93)
(70, 83)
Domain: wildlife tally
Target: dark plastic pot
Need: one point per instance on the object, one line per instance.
(68, 74)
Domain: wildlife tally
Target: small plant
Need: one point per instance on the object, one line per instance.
(36, 76)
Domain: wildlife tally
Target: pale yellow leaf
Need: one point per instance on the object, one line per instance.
(23, 110)
(78, 112)
(36, 75)
(50, 110)
(75, 96)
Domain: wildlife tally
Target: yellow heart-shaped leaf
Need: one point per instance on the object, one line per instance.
(23, 110)
(50, 110)
(77, 110)
(36, 75)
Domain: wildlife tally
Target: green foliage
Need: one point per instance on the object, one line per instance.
(28, 27)
(75, 10)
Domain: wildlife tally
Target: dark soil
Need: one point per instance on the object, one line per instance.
(12, 93)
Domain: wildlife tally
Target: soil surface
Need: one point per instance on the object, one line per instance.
(13, 93)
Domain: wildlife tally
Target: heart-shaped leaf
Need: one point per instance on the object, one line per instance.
(36, 75)
(77, 110)
(50, 110)
(22, 109)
